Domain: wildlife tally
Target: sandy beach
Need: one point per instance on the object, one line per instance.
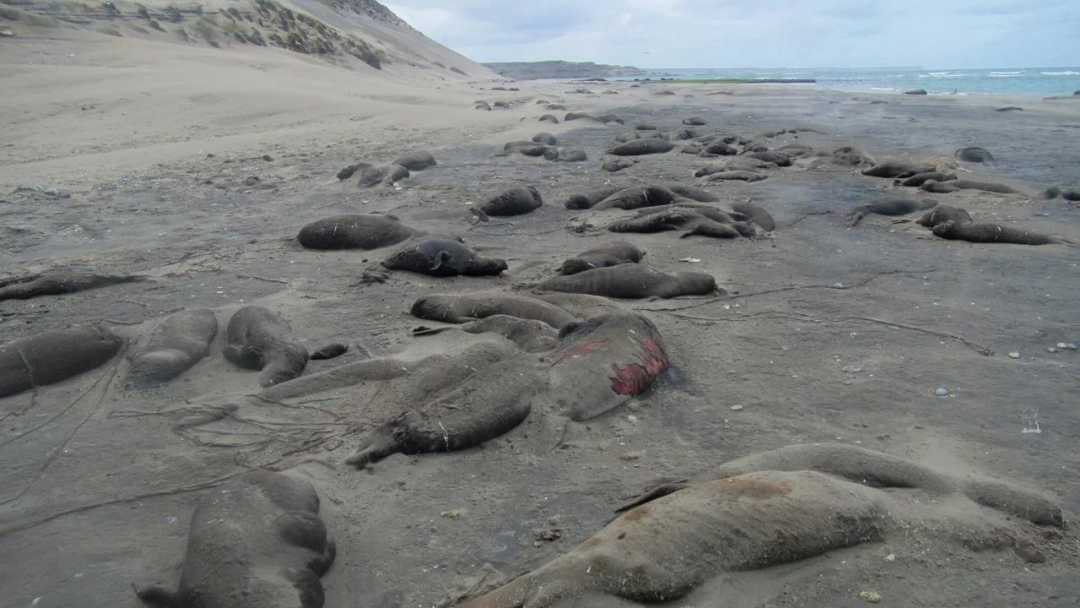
(196, 167)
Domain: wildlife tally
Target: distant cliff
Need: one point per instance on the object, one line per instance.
(535, 70)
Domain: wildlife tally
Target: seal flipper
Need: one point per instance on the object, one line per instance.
(376, 446)
(440, 258)
(158, 597)
(658, 491)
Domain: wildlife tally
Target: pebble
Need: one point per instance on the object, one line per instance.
(870, 596)
(452, 514)
(1014, 355)
(736, 408)
(1067, 345)
(251, 181)
(942, 392)
(890, 557)
(7, 33)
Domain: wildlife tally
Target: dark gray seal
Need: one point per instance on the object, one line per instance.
(640, 147)
(261, 340)
(515, 201)
(177, 343)
(691, 221)
(777, 158)
(256, 542)
(757, 214)
(611, 254)
(545, 138)
(614, 165)
(589, 199)
(566, 155)
(330, 351)
(638, 197)
(633, 281)
(385, 175)
(529, 335)
(478, 305)
(525, 148)
(693, 193)
(916, 92)
(966, 184)
(992, 233)
(974, 154)
(354, 232)
(736, 175)
(943, 213)
(443, 258)
(54, 356)
(850, 156)
(891, 207)
(921, 178)
(58, 282)
(694, 122)
(417, 160)
(549, 118)
(894, 169)
(719, 149)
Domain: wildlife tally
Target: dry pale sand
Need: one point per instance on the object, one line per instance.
(831, 334)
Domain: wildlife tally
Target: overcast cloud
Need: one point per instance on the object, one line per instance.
(757, 33)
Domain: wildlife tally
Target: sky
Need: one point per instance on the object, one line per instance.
(757, 33)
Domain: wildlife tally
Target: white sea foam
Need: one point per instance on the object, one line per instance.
(1005, 74)
(1065, 73)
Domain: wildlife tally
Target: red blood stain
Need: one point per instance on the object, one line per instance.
(635, 378)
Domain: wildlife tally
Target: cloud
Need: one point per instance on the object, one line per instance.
(758, 33)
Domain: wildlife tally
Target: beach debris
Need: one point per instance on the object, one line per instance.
(872, 597)
(1014, 355)
(942, 392)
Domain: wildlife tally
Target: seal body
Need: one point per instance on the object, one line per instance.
(516, 201)
(605, 361)
(890, 207)
(921, 178)
(259, 339)
(58, 283)
(385, 175)
(897, 169)
(632, 281)
(443, 258)
(180, 341)
(966, 184)
(757, 214)
(257, 542)
(589, 199)
(638, 197)
(354, 232)
(469, 307)
(974, 154)
(417, 160)
(54, 356)
(612, 254)
(943, 213)
(991, 233)
(639, 147)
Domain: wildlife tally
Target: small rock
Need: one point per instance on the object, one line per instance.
(453, 514)
(890, 557)
(251, 181)
(1014, 355)
(1051, 349)
(691, 260)
(737, 408)
(942, 392)
(267, 157)
(7, 33)
(631, 456)
(550, 535)
(872, 597)
(632, 418)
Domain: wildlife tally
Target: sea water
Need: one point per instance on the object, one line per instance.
(936, 81)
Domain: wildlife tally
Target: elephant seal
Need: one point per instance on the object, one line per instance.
(894, 169)
(478, 305)
(386, 175)
(488, 403)
(330, 351)
(258, 339)
(943, 213)
(921, 178)
(482, 105)
(777, 158)
(692, 221)
(890, 206)
(719, 149)
(56, 283)
(640, 147)
(515, 201)
(692, 193)
(256, 542)
(611, 254)
(545, 138)
(974, 154)
(443, 258)
(354, 232)
(566, 155)
(529, 335)
(916, 92)
(638, 197)
(589, 199)
(54, 356)
(179, 342)
(417, 160)
(736, 175)
(549, 118)
(757, 214)
(633, 281)
(992, 233)
(525, 148)
(603, 362)
(614, 165)
(850, 156)
(694, 121)
(770, 509)
(966, 184)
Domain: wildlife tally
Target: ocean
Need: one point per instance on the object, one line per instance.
(936, 81)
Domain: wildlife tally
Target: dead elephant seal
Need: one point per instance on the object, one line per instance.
(640, 147)
(770, 509)
(899, 169)
(490, 402)
(354, 232)
(943, 213)
(638, 197)
(603, 362)
(633, 281)
(890, 207)
(469, 307)
(443, 258)
(54, 356)
(259, 339)
(974, 154)
(58, 283)
(992, 233)
(515, 201)
(180, 341)
(612, 254)
(417, 160)
(257, 542)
